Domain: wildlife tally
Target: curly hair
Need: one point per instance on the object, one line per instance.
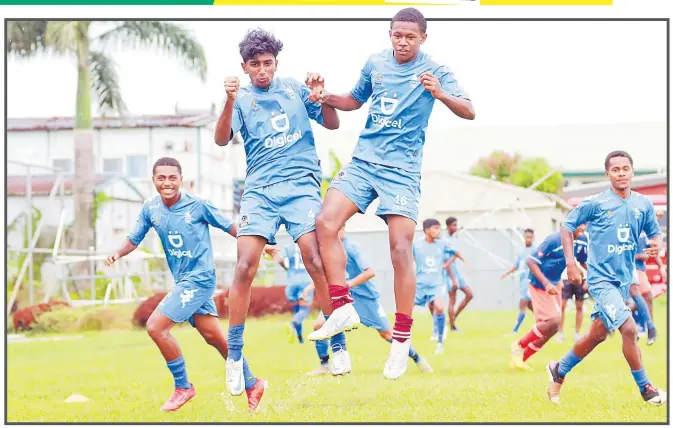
(410, 15)
(257, 42)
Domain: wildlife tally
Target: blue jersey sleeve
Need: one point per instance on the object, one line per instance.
(236, 119)
(214, 217)
(651, 225)
(143, 225)
(448, 251)
(583, 254)
(314, 110)
(543, 250)
(355, 253)
(363, 88)
(582, 213)
(449, 83)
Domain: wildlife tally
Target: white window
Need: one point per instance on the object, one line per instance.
(136, 167)
(64, 165)
(113, 166)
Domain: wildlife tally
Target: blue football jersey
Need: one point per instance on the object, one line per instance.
(277, 134)
(642, 244)
(296, 271)
(400, 108)
(549, 255)
(522, 265)
(429, 258)
(356, 263)
(614, 225)
(457, 264)
(183, 231)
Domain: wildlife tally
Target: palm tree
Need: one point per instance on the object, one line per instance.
(86, 42)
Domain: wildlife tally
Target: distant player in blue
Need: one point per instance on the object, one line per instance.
(432, 256)
(521, 268)
(366, 301)
(298, 280)
(402, 85)
(454, 278)
(546, 265)
(181, 221)
(282, 183)
(615, 220)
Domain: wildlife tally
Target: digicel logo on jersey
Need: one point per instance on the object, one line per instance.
(281, 123)
(619, 249)
(385, 122)
(387, 106)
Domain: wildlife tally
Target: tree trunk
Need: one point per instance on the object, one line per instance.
(83, 184)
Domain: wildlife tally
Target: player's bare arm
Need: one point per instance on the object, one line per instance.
(223, 127)
(460, 107)
(125, 249)
(363, 277)
(568, 241)
(509, 272)
(537, 272)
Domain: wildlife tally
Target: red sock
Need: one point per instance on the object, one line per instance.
(402, 327)
(340, 295)
(530, 337)
(530, 351)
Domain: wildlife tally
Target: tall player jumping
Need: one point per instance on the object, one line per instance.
(403, 84)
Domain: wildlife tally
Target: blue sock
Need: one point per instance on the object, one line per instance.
(338, 341)
(295, 308)
(435, 328)
(644, 311)
(298, 320)
(519, 321)
(638, 318)
(179, 371)
(641, 378)
(236, 342)
(250, 379)
(567, 363)
(322, 348)
(441, 322)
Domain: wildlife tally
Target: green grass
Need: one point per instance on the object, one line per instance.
(126, 380)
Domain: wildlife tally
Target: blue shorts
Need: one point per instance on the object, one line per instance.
(187, 299)
(524, 294)
(429, 293)
(462, 283)
(399, 191)
(371, 313)
(294, 203)
(295, 291)
(610, 304)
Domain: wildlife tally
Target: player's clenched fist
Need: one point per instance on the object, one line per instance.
(231, 85)
(314, 80)
(431, 83)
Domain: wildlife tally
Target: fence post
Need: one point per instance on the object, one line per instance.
(29, 221)
(92, 272)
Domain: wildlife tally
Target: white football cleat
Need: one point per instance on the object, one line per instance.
(423, 365)
(235, 380)
(439, 349)
(321, 370)
(343, 319)
(654, 395)
(396, 365)
(434, 336)
(341, 363)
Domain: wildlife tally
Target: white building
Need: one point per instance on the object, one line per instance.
(128, 147)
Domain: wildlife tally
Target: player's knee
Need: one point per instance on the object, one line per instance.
(400, 254)
(325, 225)
(313, 262)
(155, 331)
(246, 268)
(211, 338)
(468, 295)
(628, 332)
(554, 325)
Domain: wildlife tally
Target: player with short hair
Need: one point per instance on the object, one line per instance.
(433, 255)
(546, 265)
(615, 220)
(521, 267)
(298, 280)
(282, 184)
(455, 279)
(366, 302)
(181, 221)
(403, 84)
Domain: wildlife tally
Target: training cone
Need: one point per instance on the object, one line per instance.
(76, 398)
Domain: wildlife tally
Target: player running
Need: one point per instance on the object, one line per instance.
(366, 302)
(521, 268)
(432, 255)
(546, 265)
(181, 221)
(455, 279)
(616, 218)
(282, 184)
(298, 280)
(645, 288)
(403, 84)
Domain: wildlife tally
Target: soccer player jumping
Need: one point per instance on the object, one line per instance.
(181, 221)
(615, 219)
(282, 183)
(403, 84)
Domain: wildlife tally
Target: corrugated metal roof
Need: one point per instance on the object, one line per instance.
(41, 185)
(603, 185)
(144, 121)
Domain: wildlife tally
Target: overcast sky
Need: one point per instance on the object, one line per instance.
(517, 73)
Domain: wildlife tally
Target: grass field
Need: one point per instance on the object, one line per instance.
(126, 380)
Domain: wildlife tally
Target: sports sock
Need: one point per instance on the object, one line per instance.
(179, 371)
(641, 378)
(530, 337)
(236, 341)
(519, 321)
(567, 363)
(402, 327)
